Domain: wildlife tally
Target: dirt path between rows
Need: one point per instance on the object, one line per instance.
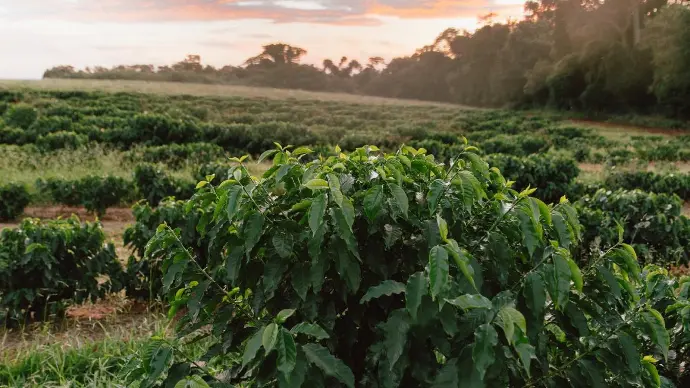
(632, 128)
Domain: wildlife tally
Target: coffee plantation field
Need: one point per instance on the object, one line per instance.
(321, 240)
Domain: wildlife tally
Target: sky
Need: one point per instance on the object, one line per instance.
(39, 34)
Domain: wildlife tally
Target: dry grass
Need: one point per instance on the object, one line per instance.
(174, 88)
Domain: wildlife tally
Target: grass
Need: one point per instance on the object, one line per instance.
(173, 88)
(76, 353)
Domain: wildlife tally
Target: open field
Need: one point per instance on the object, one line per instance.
(176, 89)
(74, 147)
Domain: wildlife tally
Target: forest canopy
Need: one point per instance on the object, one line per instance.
(593, 56)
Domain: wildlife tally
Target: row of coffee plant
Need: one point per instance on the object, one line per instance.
(45, 265)
(374, 269)
(97, 193)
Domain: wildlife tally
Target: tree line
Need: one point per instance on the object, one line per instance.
(585, 55)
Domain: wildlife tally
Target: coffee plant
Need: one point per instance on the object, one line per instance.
(386, 270)
(13, 200)
(44, 266)
(95, 193)
(145, 273)
(154, 184)
(552, 175)
(21, 115)
(672, 183)
(652, 223)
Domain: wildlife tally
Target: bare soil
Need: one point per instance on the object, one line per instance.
(631, 128)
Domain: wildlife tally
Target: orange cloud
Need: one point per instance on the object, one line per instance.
(335, 12)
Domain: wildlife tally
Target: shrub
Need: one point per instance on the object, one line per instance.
(145, 273)
(46, 265)
(95, 193)
(380, 270)
(153, 184)
(13, 200)
(651, 222)
(11, 135)
(21, 115)
(678, 184)
(59, 140)
(176, 155)
(551, 175)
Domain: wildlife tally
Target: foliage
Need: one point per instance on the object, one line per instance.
(154, 184)
(552, 175)
(670, 183)
(46, 265)
(13, 200)
(176, 155)
(95, 193)
(145, 273)
(21, 116)
(375, 269)
(652, 223)
(57, 140)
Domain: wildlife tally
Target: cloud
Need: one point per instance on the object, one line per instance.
(333, 12)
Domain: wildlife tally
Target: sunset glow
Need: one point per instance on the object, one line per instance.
(38, 34)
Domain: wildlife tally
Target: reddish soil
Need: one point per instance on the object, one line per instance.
(631, 128)
(112, 214)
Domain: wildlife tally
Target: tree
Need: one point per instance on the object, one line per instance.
(277, 54)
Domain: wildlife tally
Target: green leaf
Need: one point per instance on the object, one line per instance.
(310, 329)
(653, 373)
(270, 337)
(317, 184)
(560, 281)
(192, 382)
(562, 230)
(442, 227)
(299, 278)
(529, 229)
(334, 185)
(447, 377)
(302, 151)
(657, 330)
(253, 346)
(266, 154)
(287, 352)
(416, 288)
(234, 201)
(399, 198)
(507, 318)
(233, 264)
(283, 243)
(349, 270)
(535, 296)
(544, 210)
(526, 352)
(253, 229)
(575, 274)
(395, 331)
(283, 315)
(316, 213)
(438, 270)
(373, 202)
(159, 362)
(436, 189)
(485, 339)
(469, 302)
(348, 212)
(201, 184)
(387, 287)
(345, 233)
(330, 365)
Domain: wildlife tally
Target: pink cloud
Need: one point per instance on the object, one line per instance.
(334, 12)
